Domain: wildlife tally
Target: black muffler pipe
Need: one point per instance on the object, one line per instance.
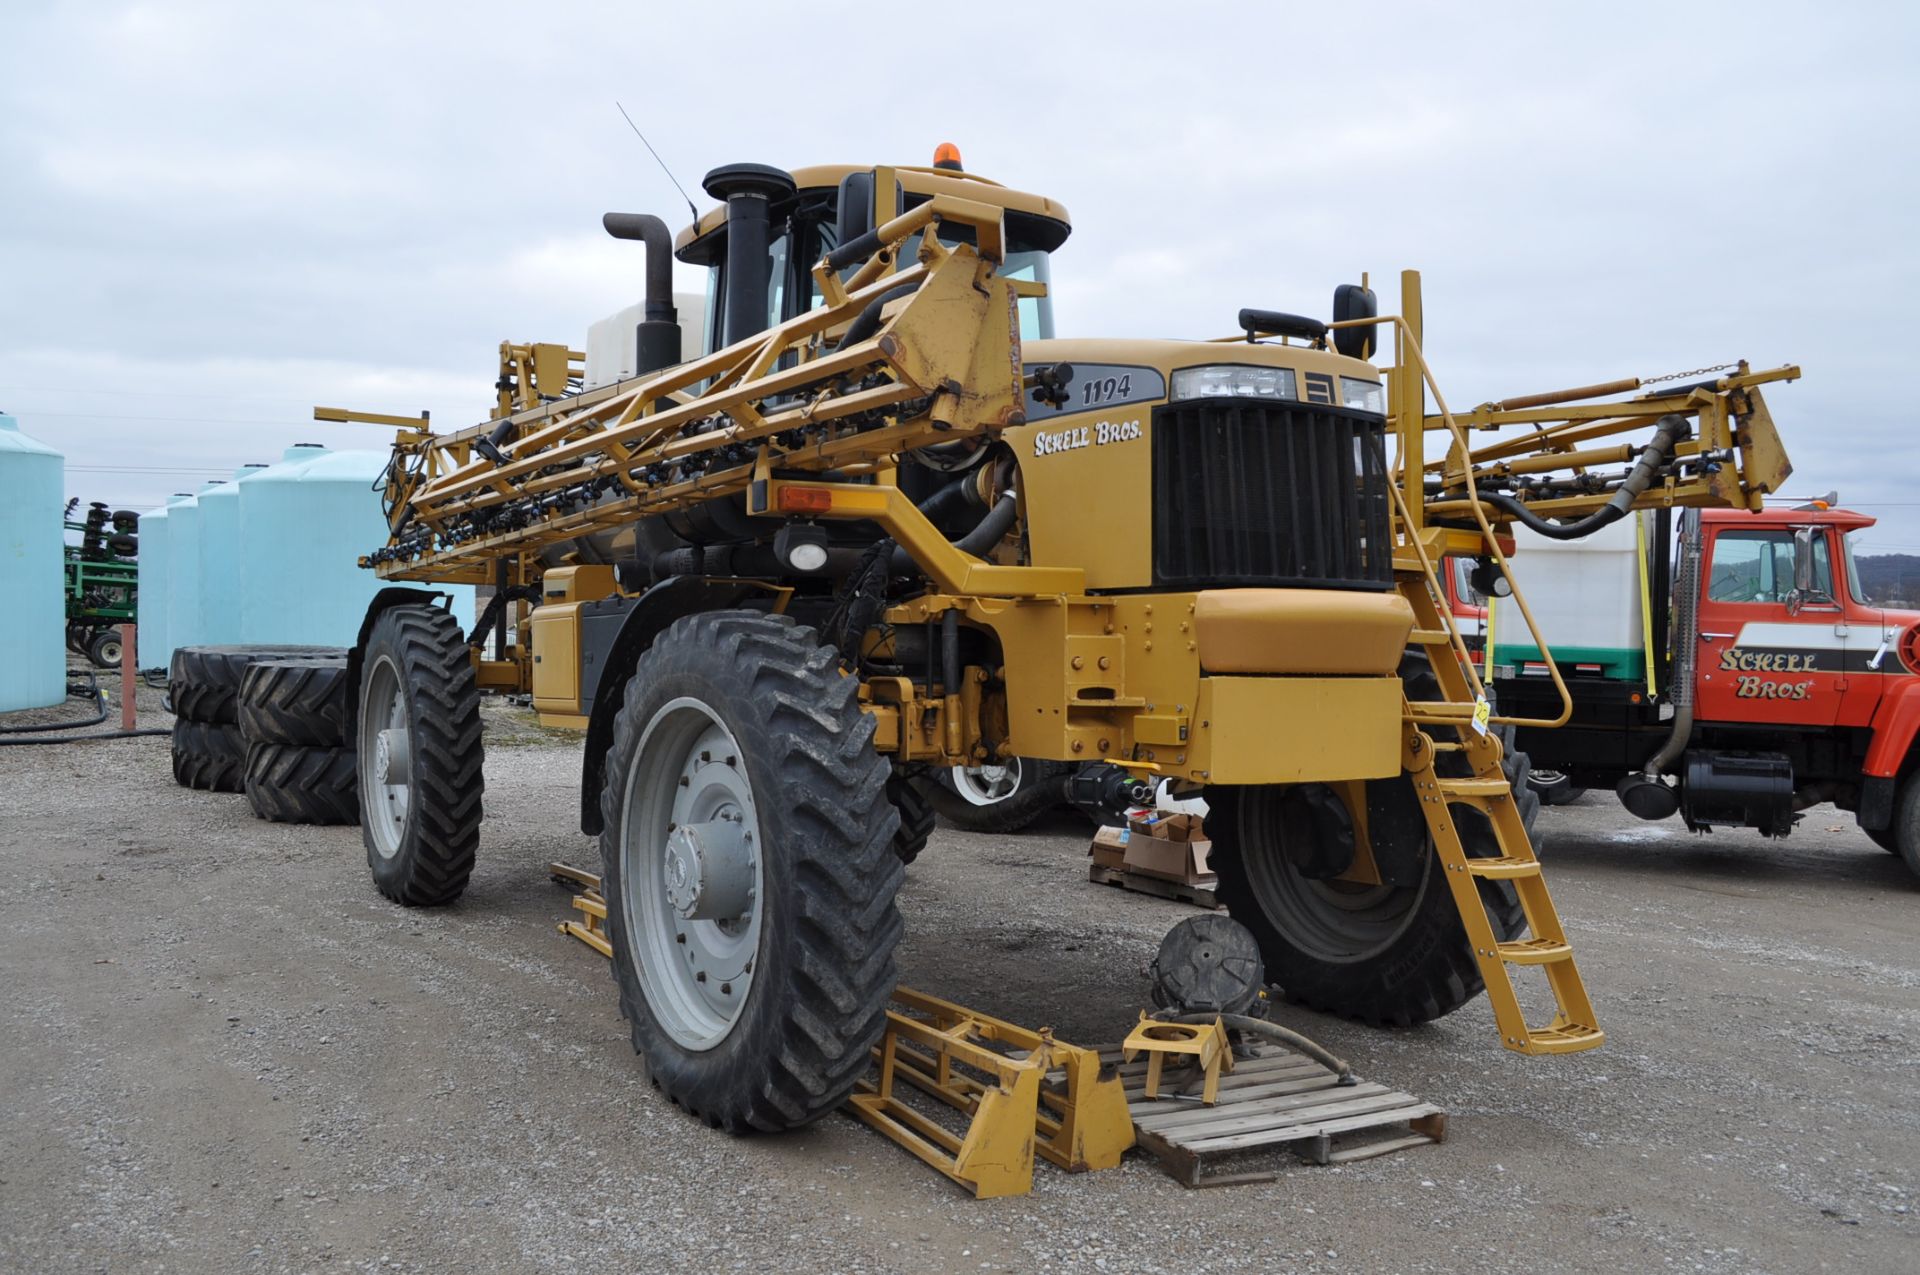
(749, 191)
(658, 336)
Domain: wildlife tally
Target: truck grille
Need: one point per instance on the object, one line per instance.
(1269, 494)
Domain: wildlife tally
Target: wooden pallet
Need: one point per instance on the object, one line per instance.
(1198, 893)
(1277, 1098)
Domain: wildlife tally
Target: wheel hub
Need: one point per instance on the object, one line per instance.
(709, 869)
(392, 762)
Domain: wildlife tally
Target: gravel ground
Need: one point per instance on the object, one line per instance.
(221, 1050)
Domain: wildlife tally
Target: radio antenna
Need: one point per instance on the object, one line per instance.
(663, 163)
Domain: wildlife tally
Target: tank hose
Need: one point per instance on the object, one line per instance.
(1653, 458)
(85, 739)
(91, 691)
(1275, 1032)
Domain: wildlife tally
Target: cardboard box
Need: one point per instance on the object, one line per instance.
(1109, 848)
(1183, 861)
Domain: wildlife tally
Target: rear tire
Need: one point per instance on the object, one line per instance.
(749, 871)
(418, 751)
(208, 756)
(1004, 797)
(289, 784)
(1387, 955)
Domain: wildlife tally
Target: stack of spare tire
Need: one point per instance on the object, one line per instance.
(269, 721)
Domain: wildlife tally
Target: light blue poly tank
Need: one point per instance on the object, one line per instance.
(303, 528)
(183, 571)
(220, 600)
(150, 632)
(33, 485)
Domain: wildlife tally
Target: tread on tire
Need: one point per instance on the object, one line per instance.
(301, 702)
(208, 756)
(288, 783)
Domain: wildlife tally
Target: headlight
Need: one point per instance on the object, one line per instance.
(1233, 381)
(1363, 396)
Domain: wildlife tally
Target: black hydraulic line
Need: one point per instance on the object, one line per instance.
(1275, 1032)
(985, 534)
(84, 739)
(867, 322)
(92, 693)
(950, 652)
(1653, 458)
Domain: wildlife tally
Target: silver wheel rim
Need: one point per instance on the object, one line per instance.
(987, 785)
(1340, 922)
(384, 754)
(1546, 778)
(693, 927)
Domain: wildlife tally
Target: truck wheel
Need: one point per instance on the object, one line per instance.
(287, 783)
(1384, 954)
(916, 818)
(104, 649)
(208, 756)
(417, 746)
(1906, 823)
(1553, 788)
(749, 871)
(1005, 796)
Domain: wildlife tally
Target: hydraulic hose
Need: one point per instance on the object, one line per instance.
(1274, 1032)
(867, 322)
(83, 739)
(985, 534)
(92, 693)
(1686, 599)
(1653, 458)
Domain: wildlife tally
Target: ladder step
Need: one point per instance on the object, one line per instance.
(1535, 952)
(1506, 866)
(1440, 711)
(1475, 787)
(1430, 637)
(1566, 1038)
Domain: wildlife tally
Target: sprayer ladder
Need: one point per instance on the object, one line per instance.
(1449, 726)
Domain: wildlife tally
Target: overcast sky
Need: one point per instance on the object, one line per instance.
(214, 216)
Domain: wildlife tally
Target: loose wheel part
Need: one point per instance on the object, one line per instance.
(287, 783)
(916, 818)
(294, 702)
(208, 756)
(749, 871)
(1003, 796)
(1553, 788)
(203, 682)
(418, 748)
(1208, 965)
(1385, 954)
(104, 649)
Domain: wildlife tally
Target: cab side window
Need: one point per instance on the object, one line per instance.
(1758, 566)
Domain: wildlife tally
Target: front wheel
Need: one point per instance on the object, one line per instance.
(418, 756)
(750, 872)
(1906, 822)
(1003, 796)
(104, 649)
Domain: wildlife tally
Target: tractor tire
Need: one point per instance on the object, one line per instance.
(418, 750)
(1383, 954)
(916, 818)
(1552, 787)
(203, 682)
(749, 868)
(208, 756)
(287, 783)
(1000, 798)
(104, 648)
(300, 702)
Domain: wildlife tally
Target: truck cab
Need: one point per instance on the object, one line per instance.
(1783, 684)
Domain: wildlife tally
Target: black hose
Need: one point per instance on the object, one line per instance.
(1275, 1032)
(1653, 458)
(92, 692)
(867, 322)
(86, 739)
(950, 652)
(985, 534)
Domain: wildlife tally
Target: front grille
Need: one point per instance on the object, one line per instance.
(1269, 494)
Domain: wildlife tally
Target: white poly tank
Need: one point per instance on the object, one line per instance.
(33, 483)
(183, 571)
(1584, 593)
(303, 529)
(220, 600)
(150, 631)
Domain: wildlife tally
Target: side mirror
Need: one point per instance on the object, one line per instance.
(1803, 560)
(1351, 301)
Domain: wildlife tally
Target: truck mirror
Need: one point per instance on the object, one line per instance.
(1803, 560)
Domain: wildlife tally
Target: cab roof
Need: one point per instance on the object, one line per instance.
(1788, 516)
(925, 182)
